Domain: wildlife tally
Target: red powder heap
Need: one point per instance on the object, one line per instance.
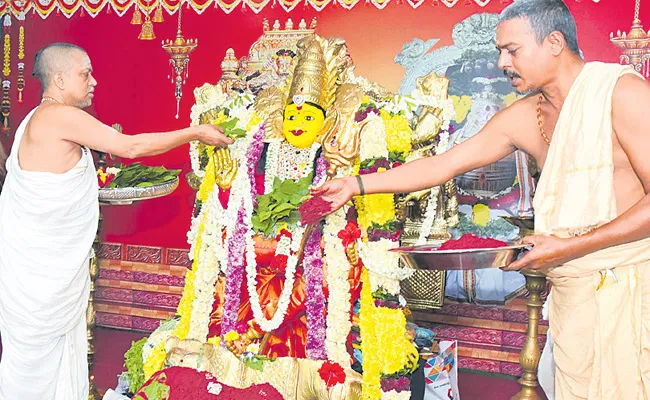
(313, 210)
(469, 241)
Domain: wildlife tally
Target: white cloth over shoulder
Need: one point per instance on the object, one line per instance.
(47, 226)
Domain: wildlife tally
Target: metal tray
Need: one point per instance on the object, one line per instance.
(430, 258)
(129, 195)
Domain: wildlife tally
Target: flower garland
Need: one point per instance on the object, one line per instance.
(371, 352)
(429, 216)
(234, 274)
(375, 208)
(338, 302)
(315, 299)
(313, 272)
(385, 348)
(398, 132)
(383, 265)
(238, 237)
(284, 161)
(373, 139)
(288, 247)
(6, 70)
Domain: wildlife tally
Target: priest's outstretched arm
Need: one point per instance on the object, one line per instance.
(80, 127)
(495, 141)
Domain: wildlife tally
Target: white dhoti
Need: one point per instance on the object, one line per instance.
(47, 226)
(599, 317)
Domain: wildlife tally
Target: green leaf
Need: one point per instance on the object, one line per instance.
(229, 124)
(254, 363)
(134, 365)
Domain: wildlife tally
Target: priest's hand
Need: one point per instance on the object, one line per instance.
(337, 192)
(212, 135)
(548, 252)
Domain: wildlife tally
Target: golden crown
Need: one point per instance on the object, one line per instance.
(309, 75)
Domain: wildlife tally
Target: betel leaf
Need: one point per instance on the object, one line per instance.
(281, 205)
(230, 131)
(136, 174)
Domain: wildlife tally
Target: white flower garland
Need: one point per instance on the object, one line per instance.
(429, 216)
(338, 303)
(443, 142)
(373, 139)
(160, 335)
(383, 265)
(288, 247)
(213, 254)
(395, 395)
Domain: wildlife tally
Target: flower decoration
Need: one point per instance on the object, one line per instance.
(332, 374)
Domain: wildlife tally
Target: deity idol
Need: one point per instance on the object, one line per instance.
(263, 287)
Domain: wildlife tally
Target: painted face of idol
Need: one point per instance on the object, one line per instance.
(302, 124)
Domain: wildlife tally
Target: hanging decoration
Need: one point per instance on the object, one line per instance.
(5, 106)
(20, 81)
(158, 14)
(137, 15)
(147, 29)
(179, 50)
(147, 26)
(69, 7)
(635, 45)
(6, 66)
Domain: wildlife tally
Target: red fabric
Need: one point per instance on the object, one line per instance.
(134, 90)
(188, 383)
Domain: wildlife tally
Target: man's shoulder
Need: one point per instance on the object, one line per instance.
(521, 108)
(56, 116)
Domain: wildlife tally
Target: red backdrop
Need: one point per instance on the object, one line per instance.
(134, 90)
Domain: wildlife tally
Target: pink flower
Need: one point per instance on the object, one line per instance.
(241, 327)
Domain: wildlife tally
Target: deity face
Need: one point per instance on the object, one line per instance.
(302, 125)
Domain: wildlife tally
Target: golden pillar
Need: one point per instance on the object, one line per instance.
(530, 353)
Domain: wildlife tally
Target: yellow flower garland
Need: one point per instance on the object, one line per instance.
(385, 346)
(375, 208)
(371, 352)
(398, 132)
(156, 360)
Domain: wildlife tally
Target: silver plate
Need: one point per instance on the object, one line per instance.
(129, 195)
(430, 258)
